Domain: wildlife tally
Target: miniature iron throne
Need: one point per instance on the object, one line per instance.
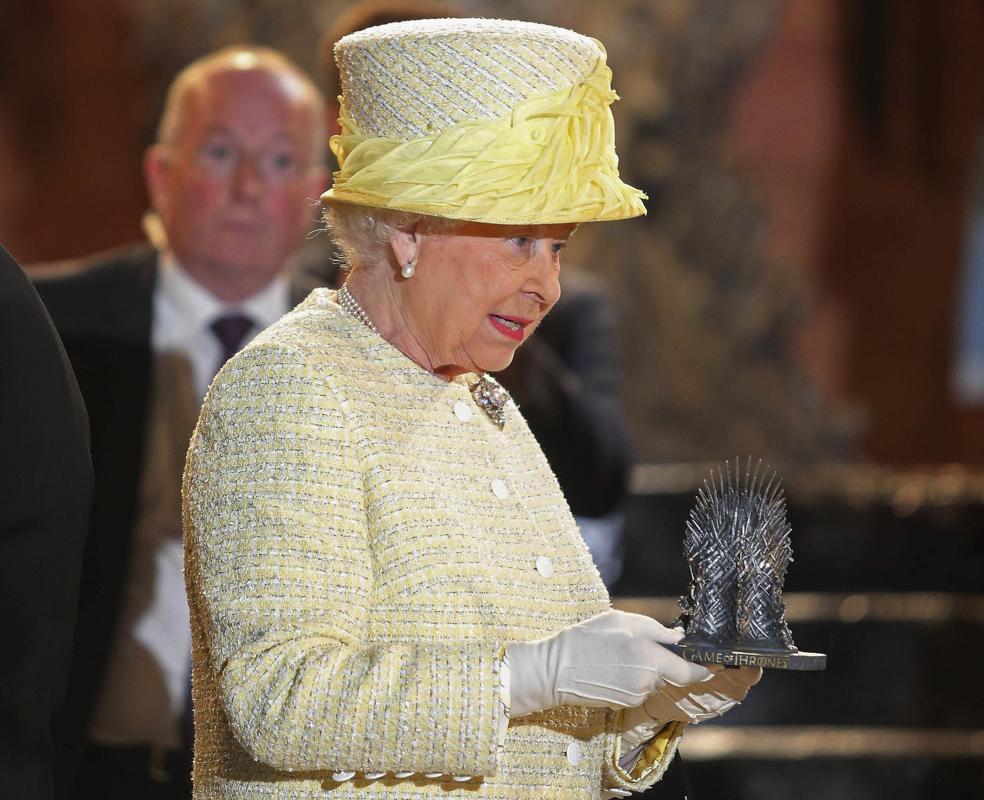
(738, 545)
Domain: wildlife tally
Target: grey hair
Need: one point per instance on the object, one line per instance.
(363, 233)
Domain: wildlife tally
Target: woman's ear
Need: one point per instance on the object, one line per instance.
(405, 243)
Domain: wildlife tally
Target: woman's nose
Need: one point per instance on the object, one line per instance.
(548, 274)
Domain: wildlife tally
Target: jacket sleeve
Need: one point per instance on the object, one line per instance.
(653, 760)
(279, 572)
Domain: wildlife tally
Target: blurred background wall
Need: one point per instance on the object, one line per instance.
(808, 287)
(795, 289)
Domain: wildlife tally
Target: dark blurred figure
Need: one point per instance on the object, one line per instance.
(566, 382)
(566, 379)
(45, 495)
(233, 178)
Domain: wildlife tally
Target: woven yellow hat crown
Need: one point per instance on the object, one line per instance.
(478, 119)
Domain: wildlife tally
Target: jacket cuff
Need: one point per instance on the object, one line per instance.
(654, 758)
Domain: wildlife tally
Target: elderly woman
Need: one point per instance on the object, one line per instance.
(389, 596)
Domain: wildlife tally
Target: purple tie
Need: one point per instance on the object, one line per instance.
(230, 330)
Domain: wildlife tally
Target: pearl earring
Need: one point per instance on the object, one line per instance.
(408, 269)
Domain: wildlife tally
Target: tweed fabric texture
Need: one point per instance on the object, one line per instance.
(408, 80)
(359, 547)
(484, 120)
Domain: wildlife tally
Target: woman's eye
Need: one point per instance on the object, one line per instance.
(557, 247)
(522, 242)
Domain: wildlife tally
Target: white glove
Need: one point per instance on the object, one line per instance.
(711, 697)
(612, 660)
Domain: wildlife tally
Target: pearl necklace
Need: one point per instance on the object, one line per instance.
(488, 396)
(347, 301)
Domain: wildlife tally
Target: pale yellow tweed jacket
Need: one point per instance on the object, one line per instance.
(361, 542)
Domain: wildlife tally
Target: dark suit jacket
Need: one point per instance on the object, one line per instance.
(45, 493)
(102, 307)
(566, 381)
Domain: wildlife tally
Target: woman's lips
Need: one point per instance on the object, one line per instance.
(513, 327)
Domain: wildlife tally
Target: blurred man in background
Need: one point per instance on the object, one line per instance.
(233, 179)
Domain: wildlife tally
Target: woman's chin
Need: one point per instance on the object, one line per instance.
(496, 362)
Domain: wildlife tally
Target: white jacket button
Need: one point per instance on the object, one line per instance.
(544, 566)
(575, 755)
(342, 776)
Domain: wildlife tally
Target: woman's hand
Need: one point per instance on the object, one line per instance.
(613, 660)
(695, 703)
(700, 701)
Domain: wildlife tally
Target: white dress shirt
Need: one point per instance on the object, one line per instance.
(142, 700)
(184, 310)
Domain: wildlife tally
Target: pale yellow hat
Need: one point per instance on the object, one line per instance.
(479, 119)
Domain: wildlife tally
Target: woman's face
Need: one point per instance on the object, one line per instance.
(479, 293)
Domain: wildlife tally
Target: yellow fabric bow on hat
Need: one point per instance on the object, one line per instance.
(552, 160)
